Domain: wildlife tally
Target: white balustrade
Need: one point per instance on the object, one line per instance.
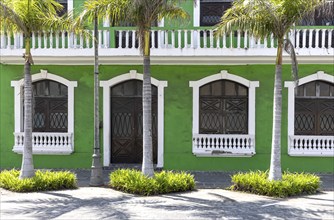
(303, 145)
(223, 145)
(46, 143)
(201, 42)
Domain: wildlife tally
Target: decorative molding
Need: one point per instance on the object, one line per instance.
(106, 113)
(320, 75)
(252, 85)
(43, 75)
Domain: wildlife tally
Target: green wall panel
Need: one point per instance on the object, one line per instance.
(178, 117)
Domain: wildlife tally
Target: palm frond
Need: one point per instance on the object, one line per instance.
(10, 20)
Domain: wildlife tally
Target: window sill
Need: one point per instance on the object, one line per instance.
(223, 145)
(46, 143)
(311, 146)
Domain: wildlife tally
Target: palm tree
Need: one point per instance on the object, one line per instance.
(29, 16)
(262, 18)
(143, 14)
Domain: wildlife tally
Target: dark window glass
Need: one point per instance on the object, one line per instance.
(64, 10)
(314, 109)
(223, 108)
(131, 88)
(211, 11)
(49, 107)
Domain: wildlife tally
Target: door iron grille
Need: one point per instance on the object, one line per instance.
(127, 123)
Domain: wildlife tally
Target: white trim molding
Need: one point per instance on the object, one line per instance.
(216, 145)
(106, 113)
(43, 142)
(305, 145)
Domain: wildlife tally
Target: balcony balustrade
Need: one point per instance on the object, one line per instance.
(166, 43)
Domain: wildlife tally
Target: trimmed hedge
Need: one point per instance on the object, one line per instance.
(133, 181)
(42, 181)
(292, 184)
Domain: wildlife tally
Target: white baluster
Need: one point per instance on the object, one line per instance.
(265, 42)
(272, 44)
(51, 39)
(45, 40)
(8, 40)
(231, 39)
(21, 40)
(185, 38)
(159, 39)
(57, 39)
(166, 38)
(238, 39)
(33, 38)
(218, 42)
(258, 42)
(317, 38)
(99, 35)
(39, 39)
(81, 41)
(105, 38)
(304, 38)
(15, 40)
(133, 39)
(323, 35)
(310, 42)
(152, 39)
(245, 39)
(330, 32)
(224, 40)
(2, 40)
(198, 39)
(179, 42)
(211, 38)
(204, 39)
(63, 39)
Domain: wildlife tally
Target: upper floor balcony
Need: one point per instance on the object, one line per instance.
(184, 46)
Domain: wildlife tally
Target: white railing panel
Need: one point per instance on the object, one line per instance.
(46, 143)
(303, 145)
(223, 145)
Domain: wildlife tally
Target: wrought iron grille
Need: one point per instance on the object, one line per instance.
(212, 11)
(314, 109)
(50, 107)
(223, 108)
(127, 122)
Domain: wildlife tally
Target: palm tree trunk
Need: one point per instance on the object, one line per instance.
(147, 166)
(27, 167)
(275, 172)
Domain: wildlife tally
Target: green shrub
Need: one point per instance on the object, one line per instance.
(133, 181)
(291, 184)
(42, 181)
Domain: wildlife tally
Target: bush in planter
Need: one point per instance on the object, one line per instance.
(133, 181)
(42, 181)
(291, 184)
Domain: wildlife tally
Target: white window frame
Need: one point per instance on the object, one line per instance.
(44, 142)
(106, 113)
(212, 148)
(314, 145)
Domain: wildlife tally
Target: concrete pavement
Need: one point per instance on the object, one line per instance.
(209, 201)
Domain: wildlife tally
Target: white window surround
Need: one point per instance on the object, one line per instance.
(106, 113)
(224, 144)
(307, 145)
(44, 142)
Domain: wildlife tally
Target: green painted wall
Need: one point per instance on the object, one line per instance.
(178, 117)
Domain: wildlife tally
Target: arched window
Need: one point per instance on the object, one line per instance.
(310, 116)
(223, 108)
(50, 106)
(53, 114)
(314, 109)
(224, 115)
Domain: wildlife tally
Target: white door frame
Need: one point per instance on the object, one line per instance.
(106, 113)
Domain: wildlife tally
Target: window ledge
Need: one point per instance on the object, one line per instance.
(46, 143)
(223, 145)
(311, 146)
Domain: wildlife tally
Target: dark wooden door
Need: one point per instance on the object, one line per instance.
(127, 123)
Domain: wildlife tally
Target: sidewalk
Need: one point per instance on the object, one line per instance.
(210, 203)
